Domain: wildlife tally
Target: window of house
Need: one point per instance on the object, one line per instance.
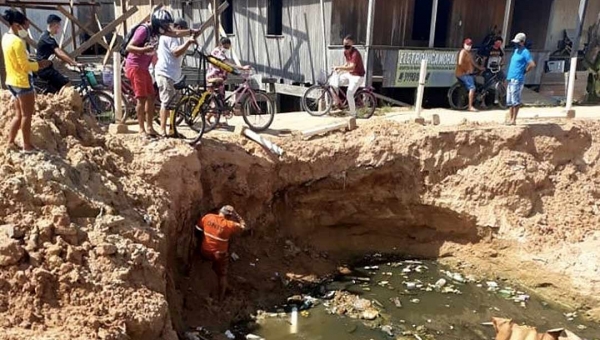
(274, 17)
(227, 18)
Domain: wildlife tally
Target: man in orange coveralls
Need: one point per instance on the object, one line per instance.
(218, 229)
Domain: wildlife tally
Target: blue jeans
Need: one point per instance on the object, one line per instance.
(513, 92)
(469, 81)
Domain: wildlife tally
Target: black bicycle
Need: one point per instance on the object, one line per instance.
(490, 93)
(96, 102)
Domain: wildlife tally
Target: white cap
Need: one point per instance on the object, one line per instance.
(520, 37)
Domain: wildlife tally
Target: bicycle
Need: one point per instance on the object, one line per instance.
(95, 101)
(318, 99)
(192, 108)
(256, 107)
(458, 94)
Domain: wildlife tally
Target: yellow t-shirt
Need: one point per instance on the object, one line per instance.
(18, 66)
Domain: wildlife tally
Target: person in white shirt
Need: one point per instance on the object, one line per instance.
(167, 70)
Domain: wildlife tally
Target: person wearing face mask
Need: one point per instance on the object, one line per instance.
(215, 76)
(493, 59)
(47, 48)
(19, 78)
(141, 52)
(352, 73)
(465, 71)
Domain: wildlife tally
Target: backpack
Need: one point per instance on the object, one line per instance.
(129, 36)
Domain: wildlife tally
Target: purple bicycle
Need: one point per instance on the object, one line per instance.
(256, 106)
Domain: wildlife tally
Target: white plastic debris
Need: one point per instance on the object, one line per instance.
(253, 337)
(229, 335)
(234, 256)
(440, 283)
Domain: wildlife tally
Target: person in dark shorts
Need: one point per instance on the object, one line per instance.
(47, 49)
(216, 230)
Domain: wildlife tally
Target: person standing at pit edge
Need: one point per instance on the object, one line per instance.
(217, 230)
(465, 71)
(19, 78)
(520, 63)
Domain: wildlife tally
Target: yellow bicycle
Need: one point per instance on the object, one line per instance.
(192, 107)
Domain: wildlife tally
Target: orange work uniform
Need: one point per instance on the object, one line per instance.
(215, 245)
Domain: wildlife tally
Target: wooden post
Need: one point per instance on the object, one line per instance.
(574, 53)
(326, 52)
(434, 11)
(117, 87)
(216, 16)
(507, 11)
(421, 88)
(369, 42)
(74, 34)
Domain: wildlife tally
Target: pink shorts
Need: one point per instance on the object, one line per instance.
(141, 81)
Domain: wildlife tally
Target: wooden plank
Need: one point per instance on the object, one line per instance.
(110, 27)
(81, 25)
(66, 43)
(73, 26)
(390, 100)
(290, 90)
(210, 20)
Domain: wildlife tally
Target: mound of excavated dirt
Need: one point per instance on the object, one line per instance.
(96, 236)
(82, 228)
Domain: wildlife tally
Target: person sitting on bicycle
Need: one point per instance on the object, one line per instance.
(47, 49)
(168, 70)
(465, 71)
(216, 77)
(352, 73)
(493, 60)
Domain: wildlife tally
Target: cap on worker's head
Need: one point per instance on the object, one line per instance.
(468, 42)
(227, 210)
(52, 18)
(181, 23)
(520, 37)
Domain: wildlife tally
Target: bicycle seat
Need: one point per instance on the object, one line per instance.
(181, 84)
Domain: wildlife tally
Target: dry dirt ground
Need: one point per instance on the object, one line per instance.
(96, 237)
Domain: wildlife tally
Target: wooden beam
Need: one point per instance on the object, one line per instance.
(324, 36)
(64, 44)
(110, 27)
(28, 39)
(216, 21)
(46, 4)
(234, 56)
(390, 100)
(507, 11)
(82, 26)
(210, 20)
(73, 26)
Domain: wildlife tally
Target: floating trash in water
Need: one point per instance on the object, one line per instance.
(396, 301)
(229, 335)
(387, 329)
(492, 284)
(415, 301)
(371, 267)
(411, 285)
(234, 256)
(253, 337)
(440, 283)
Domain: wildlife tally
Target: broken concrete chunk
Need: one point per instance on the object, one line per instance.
(11, 251)
(370, 314)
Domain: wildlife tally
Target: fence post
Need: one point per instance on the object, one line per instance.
(571, 84)
(117, 87)
(421, 88)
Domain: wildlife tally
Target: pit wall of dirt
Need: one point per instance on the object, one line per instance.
(494, 200)
(87, 228)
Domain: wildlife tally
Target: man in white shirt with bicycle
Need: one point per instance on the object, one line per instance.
(168, 70)
(352, 73)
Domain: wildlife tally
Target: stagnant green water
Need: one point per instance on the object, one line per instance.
(455, 311)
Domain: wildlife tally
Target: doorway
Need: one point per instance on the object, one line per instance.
(422, 21)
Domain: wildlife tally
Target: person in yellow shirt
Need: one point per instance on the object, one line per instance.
(19, 78)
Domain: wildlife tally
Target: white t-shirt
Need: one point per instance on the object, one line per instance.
(167, 65)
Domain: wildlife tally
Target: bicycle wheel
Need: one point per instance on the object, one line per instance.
(185, 108)
(458, 97)
(101, 106)
(211, 110)
(366, 104)
(501, 95)
(317, 100)
(258, 111)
